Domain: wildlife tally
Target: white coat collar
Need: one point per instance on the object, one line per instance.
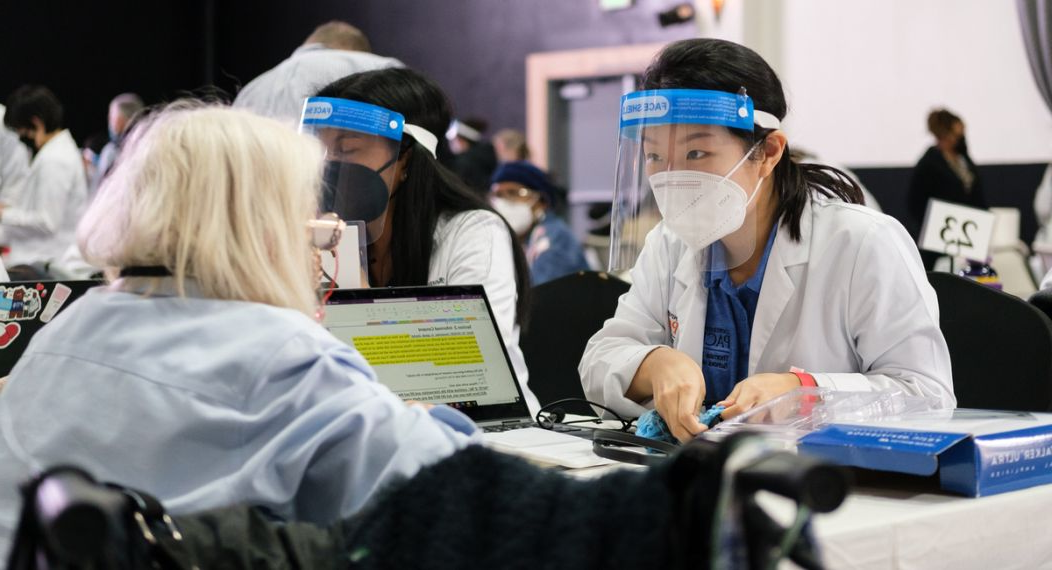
(60, 145)
(778, 284)
(688, 271)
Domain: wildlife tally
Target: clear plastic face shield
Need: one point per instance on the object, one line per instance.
(678, 163)
(362, 143)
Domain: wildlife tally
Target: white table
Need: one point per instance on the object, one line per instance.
(888, 529)
(894, 528)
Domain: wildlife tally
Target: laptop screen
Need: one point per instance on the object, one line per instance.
(25, 307)
(433, 344)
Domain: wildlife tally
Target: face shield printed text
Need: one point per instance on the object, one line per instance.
(316, 110)
(320, 112)
(644, 107)
(689, 106)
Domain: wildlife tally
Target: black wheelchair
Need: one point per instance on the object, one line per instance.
(475, 509)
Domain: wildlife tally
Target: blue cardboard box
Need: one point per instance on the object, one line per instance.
(974, 452)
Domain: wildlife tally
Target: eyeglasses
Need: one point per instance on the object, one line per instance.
(521, 193)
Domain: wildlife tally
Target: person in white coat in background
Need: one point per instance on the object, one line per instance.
(333, 50)
(1043, 207)
(38, 222)
(764, 275)
(425, 227)
(14, 167)
(1041, 262)
(14, 160)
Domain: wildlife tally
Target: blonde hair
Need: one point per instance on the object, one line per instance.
(218, 195)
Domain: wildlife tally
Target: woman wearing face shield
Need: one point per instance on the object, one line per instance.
(200, 374)
(425, 227)
(764, 274)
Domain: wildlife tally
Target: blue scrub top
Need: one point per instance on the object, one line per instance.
(728, 323)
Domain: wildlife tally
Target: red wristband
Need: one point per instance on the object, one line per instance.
(806, 380)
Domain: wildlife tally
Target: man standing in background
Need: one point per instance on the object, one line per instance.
(122, 108)
(334, 50)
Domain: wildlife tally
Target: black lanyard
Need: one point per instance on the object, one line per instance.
(146, 271)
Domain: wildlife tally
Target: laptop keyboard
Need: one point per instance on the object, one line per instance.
(509, 427)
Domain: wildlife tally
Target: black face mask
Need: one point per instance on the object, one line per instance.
(353, 192)
(961, 147)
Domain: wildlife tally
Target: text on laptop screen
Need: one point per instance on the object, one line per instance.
(442, 349)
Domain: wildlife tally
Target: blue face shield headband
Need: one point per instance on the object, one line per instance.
(692, 106)
(331, 112)
(362, 142)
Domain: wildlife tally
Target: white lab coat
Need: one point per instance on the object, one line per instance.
(279, 92)
(1043, 208)
(40, 221)
(14, 160)
(475, 247)
(849, 303)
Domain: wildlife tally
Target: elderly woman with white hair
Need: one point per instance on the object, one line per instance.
(200, 374)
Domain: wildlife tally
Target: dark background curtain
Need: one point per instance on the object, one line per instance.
(87, 52)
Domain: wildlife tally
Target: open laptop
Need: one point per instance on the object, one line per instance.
(439, 345)
(25, 307)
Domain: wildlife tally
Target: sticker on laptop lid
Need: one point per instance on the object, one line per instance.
(59, 295)
(9, 333)
(19, 303)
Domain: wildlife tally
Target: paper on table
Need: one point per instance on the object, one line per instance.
(546, 446)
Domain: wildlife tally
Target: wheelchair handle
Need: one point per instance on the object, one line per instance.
(809, 481)
(75, 515)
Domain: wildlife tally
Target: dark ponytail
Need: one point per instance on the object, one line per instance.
(795, 182)
(720, 65)
(430, 190)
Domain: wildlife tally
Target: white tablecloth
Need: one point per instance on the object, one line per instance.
(885, 529)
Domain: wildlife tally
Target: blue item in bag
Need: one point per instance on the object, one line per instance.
(650, 425)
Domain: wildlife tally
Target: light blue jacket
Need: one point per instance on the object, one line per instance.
(553, 251)
(206, 403)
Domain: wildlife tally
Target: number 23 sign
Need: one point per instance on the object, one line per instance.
(957, 230)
